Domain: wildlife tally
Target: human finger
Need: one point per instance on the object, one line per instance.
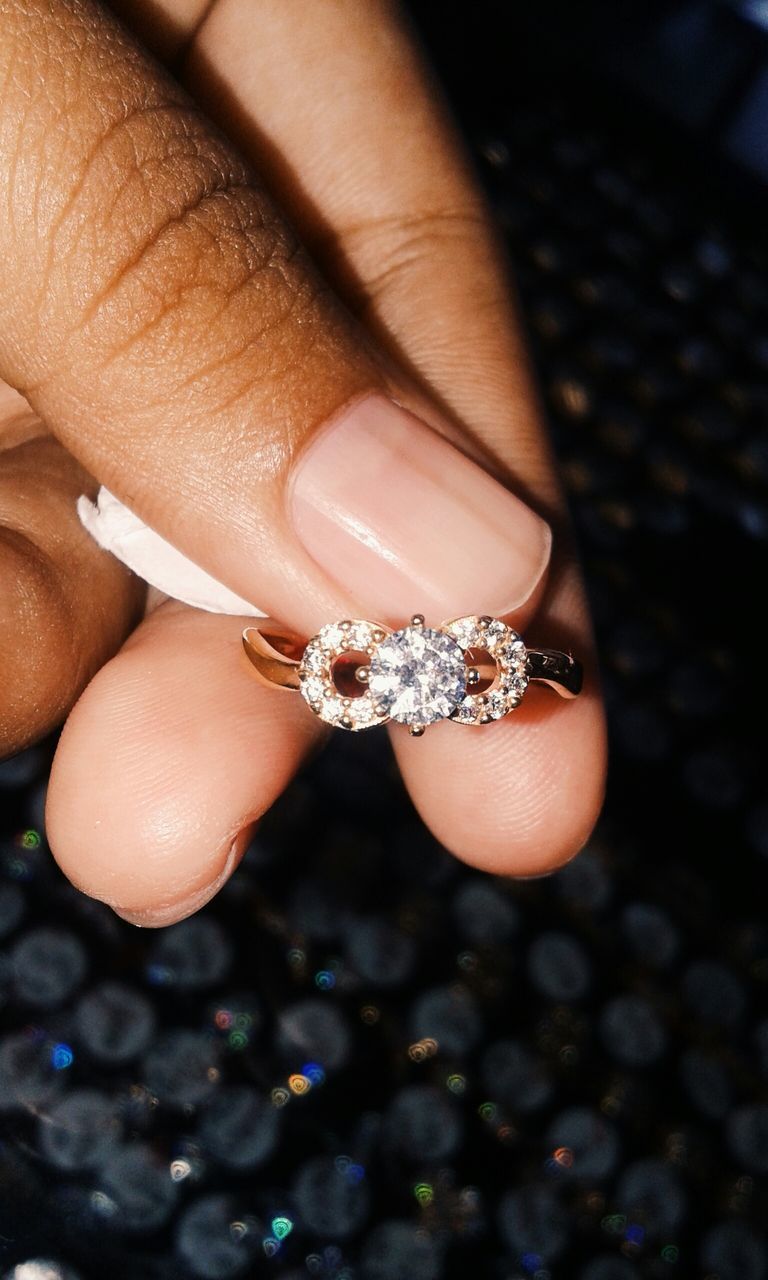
(367, 160)
(231, 401)
(153, 792)
(65, 605)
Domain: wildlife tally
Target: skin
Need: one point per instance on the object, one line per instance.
(153, 793)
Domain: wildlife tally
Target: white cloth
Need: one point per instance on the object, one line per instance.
(118, 530)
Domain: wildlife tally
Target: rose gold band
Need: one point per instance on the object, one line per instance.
(471, 670)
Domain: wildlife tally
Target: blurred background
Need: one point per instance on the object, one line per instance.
(364, 1061)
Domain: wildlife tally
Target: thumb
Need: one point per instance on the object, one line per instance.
(160, 316)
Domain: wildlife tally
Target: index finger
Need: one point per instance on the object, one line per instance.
(165, 322)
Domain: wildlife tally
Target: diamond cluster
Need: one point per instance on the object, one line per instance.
(510, 655)
(416, 675)
(316, 681)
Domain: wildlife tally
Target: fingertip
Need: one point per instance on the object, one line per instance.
(519, 797)
(221, 868)
(171, 754)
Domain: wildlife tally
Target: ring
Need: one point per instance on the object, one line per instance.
(357, 674)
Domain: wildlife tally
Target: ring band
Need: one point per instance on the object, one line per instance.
(357, 674)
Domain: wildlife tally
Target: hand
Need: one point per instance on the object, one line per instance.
(162, 323)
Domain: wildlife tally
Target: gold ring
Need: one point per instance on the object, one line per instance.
(357, 674)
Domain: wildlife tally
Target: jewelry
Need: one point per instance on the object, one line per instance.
(357, 674)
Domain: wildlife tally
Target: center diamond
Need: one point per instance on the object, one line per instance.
(418, 675)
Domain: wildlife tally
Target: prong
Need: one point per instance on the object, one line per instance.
(362, 674)
(417, 620)
(416, 730)
(473, 675)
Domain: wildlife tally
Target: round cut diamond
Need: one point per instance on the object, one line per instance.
(418, 675)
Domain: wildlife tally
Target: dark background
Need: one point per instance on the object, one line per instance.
(363, 1061)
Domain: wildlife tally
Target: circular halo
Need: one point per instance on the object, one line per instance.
(509, 653)
(316, 683)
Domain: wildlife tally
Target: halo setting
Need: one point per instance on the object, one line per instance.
(510, 656)
(357, 674)
(316, 674)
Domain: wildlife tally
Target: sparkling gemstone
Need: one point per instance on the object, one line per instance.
(418, 675)
(510, 655)
(316, 675)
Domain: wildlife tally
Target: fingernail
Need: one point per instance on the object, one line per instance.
(404, 521)
(187, 904)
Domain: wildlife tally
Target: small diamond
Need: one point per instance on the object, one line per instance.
(514, 654)
(331, 709)
(314, 660)
(418, 675)
(314, 688)
(464, 631)
(330, 637)
(359, 636)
